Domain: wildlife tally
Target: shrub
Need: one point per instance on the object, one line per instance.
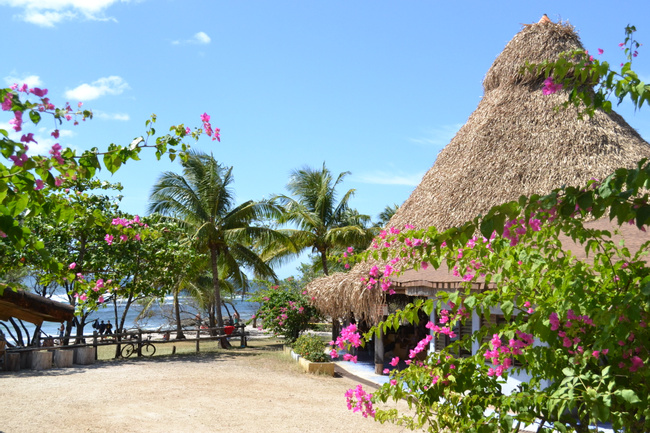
(311, 347)
(285, 310)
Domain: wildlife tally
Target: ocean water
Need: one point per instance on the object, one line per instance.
(160, 317)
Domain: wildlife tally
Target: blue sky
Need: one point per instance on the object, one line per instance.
(376, 88)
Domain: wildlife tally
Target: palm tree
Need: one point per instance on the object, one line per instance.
(386, 215)
(202, 199)
(323, 224)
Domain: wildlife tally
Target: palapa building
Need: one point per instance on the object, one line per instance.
(513, 144)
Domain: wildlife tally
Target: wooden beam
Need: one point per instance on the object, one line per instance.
(33, 308)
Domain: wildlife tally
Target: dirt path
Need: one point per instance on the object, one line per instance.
(236, 391)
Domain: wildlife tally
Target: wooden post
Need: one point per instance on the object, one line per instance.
(243, 335)
(41, 360)
(139, 343)
(84, 355)
(198, 335)
(379, 353)
(95, 343)
(63, 358)
(12, 361)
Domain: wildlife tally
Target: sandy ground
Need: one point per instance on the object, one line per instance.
(241, 390)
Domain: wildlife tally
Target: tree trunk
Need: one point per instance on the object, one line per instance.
(177, 310)
(323, 260)
(214, 255)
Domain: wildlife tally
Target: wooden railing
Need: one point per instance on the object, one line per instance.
(138, 337)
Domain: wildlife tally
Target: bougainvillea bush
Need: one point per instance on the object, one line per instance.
(285, 310)
(577, 328)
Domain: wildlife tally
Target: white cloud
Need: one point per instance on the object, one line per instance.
(390, 178)
(112, 85)
(48, 13)
(199, 38)
(123, 117)
(202, 38)
(30, 80)
(439, 136)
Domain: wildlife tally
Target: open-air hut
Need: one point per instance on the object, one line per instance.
(513, 144)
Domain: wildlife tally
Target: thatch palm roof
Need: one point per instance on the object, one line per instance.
(513, 144)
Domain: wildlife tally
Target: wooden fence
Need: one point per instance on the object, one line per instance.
(84, 349)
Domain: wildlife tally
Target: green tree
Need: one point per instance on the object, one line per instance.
(202, 199)
(322, 224)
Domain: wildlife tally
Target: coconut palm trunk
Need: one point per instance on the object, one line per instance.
(214, 256)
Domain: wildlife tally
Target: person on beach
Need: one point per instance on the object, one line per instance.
(101, 328)
(61, 333)
(236, 318)
(109, 328)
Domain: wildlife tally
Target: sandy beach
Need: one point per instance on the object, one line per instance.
(256, 389)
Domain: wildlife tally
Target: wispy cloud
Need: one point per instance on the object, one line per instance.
(390, 178)
(200, 38)
(30, 80)
(49, 13)
(122, 117)
(439, 136)
(112, 85)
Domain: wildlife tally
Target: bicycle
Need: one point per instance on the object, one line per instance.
(146, 349)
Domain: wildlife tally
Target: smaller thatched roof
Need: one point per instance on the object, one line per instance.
(33, 308)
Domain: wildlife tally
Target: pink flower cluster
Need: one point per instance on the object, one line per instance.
(501, 355)
(550, 87)
(349, 335)
(123, 222)
(359, 400)
(514, 229)
(207, 128)
(574, 330)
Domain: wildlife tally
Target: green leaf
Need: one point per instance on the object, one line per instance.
(507, 307)
(629, 396)
(35, 117)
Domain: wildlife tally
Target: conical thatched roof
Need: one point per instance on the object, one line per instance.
(514, 144)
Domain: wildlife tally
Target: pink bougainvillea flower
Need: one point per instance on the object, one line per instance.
(6, 104)
(39, 185)
(109, 239)
(17, 121)
(72, 265)
(600, 51)
(27, 138)
(55, 133)
(550, 87)
(38, 92)
(394, 361)
(3, 234)
(386, 371)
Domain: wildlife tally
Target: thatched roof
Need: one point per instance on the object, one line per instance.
(33, 308)
(513, 144)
